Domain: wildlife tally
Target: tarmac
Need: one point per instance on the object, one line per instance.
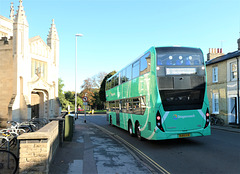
(92, 151)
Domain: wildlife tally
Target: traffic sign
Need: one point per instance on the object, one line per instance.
(85, 103)
(85, 99)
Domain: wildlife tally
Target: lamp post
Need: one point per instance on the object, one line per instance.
(77, 35)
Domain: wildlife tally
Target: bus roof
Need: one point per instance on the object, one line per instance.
(165, 49)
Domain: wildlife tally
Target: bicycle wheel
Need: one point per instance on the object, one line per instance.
(220, 121)
(13, 142)
(8, 162)
(212, 121)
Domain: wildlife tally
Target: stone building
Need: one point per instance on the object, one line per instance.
(28, 70)
(223, 84)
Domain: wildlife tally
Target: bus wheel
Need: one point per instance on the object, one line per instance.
(130, 129)
(138, 133)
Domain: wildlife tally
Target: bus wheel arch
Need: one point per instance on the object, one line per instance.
(137, 131)
(130, 128)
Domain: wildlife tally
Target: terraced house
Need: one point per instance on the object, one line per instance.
(223, 84)
(28, 70)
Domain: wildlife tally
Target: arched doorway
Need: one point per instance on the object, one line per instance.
(39, 103)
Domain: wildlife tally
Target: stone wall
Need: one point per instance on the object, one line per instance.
(38, 148)
(6, 78)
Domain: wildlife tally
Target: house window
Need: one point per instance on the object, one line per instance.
(233, 71)
(215, 103)
(215, 74)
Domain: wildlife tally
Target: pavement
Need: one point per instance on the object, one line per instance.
(229, 128)
(92, 151)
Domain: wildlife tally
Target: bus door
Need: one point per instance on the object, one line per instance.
(118, 107)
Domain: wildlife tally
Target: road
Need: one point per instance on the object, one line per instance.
(218, 153)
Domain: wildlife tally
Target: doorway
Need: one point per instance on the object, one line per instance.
(233, 117)
(35, 104)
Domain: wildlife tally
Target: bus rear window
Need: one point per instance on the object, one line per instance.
(182, 99)
(179, 59)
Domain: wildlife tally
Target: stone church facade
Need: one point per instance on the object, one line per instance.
(28, 70)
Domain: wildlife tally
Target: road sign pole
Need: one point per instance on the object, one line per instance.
(84, 113)
(85, 99)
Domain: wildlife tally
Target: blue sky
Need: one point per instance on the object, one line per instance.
(118, 31)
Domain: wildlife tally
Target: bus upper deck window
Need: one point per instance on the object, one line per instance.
(169, 61)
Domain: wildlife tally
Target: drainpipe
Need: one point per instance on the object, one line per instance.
(238, 90)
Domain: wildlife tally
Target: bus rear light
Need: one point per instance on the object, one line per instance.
(159, 121)
(207, 119)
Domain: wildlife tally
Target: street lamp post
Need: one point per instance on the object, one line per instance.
(77, 35)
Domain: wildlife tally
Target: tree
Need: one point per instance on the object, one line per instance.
(67, 98)
(88, 91)
(91, 88)
(70, 96)
(102, 94)
(61, 95)
(97, 79)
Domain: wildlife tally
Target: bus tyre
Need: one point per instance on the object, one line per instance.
(130, 129)
(138, 133)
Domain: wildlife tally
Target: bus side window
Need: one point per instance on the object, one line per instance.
(136, 106)
(123, 76)
(117, 106)
(145, 64)
(135, 69)
(112, 82)
(124, 106)
(129, 106)
(143, 104)
(112, 105)
(116, 80)
(128, 73)
(108, 85)
(107, 106)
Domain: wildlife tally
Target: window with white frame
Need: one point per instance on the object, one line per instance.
(233, 71)
(215, 103)
(215, 74)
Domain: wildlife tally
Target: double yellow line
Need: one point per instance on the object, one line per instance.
(139, 152)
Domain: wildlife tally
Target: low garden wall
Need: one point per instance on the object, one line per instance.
(36, 149)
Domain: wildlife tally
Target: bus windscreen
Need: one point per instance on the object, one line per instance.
(167, 56)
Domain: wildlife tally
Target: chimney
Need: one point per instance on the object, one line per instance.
(215, 52)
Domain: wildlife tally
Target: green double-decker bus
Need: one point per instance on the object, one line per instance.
(161, 95)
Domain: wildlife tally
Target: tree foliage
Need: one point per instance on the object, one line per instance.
(67, 98)
(61, 95)
(88, 90)
(93, 88)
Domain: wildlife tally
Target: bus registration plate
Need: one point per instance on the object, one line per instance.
(183, 135)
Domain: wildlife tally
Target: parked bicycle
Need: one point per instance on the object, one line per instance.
(8, 162)
(8, 138)
(216, 121)
(28, 126)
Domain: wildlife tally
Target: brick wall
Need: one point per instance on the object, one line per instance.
(38, 148)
